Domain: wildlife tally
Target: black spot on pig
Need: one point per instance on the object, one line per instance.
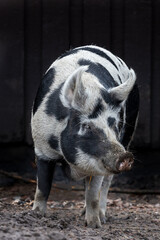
(44, 88)
(121, 121)
(69, 136)
(100, 53)
(112, 124)
(93, 142)
(45, 176)
(54, 106)
(119, 79)
(132, 108)
(53, 142)
(120, 61)
(110, 99)
(100, 72)
(90, 49)
(111, 121)
(95, 204)
(97, 109)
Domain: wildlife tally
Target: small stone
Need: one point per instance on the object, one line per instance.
(157, 205)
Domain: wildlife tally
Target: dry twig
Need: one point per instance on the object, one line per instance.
(73, 188)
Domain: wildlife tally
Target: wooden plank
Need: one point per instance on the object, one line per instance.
(117, 27)
(55, 30)
(11, 70)
(33, 58)
(76, 23)
(96, 23)
(155, 96)
(138, 56)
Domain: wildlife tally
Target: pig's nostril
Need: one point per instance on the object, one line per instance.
(125, 162)
(125, 165)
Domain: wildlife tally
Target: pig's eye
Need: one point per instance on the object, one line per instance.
(86, 126)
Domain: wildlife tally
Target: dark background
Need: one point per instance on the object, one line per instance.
(33, 33)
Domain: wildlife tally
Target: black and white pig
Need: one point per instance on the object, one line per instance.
(85, 114)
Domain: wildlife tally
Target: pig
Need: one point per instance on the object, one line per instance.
(84, 116)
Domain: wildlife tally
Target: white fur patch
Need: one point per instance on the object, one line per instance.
(88, 164)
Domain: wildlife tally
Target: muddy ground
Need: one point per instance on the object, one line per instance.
(129, 216)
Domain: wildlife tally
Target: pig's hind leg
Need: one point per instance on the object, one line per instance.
(103, 197)
(45, 169)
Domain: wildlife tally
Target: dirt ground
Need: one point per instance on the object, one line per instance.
(129, 216)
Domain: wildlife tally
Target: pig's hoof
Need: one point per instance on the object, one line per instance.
(102, 217)
(94, 223)
(39, 207)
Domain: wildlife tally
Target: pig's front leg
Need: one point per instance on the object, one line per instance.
(103, 197)
(92, 198)
(45, 171)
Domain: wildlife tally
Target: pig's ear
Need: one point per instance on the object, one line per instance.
(122, 91)
(73, 93)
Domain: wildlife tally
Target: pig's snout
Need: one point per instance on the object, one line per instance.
(125, 162)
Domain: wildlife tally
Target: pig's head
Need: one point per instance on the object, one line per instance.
(91, 140)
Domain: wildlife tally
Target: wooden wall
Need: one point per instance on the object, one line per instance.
(33, 33)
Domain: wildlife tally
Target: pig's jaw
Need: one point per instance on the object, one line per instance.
(78, 173)
(86, 165)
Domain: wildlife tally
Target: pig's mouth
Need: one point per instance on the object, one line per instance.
(111, 171)
(123, 163)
